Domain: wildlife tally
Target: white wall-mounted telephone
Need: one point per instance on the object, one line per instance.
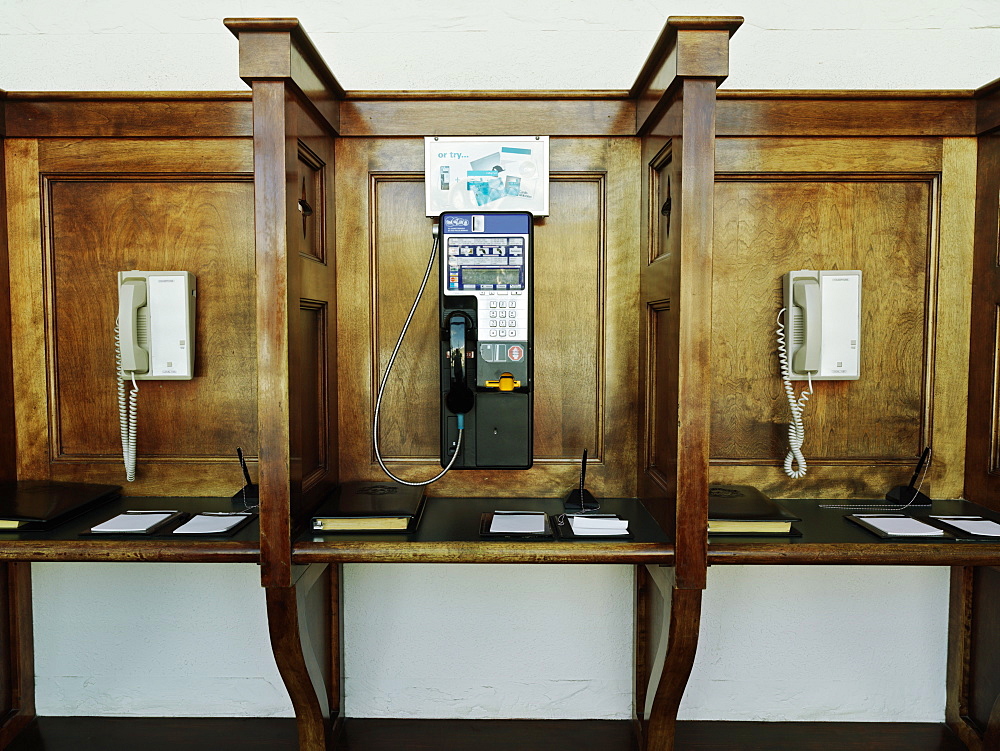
(819, 339)
(154, 340)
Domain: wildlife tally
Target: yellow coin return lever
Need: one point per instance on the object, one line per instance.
(506, 382)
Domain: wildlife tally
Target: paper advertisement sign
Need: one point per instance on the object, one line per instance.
(477, 173)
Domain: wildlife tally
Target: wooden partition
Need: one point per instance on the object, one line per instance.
(296, 117)
(17, 688)
(973, 657)
(675, 115)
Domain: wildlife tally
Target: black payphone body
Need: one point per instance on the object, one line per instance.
(487, 335)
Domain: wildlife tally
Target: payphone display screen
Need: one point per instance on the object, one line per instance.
(485, 263)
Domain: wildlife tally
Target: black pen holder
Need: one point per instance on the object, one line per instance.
(580, 500)
(248, 492)
(905, 495)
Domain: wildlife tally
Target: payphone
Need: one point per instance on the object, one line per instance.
(486, 346)
(486, 316)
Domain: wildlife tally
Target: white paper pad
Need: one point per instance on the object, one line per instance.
(902, 526)
(974, 525)
(598, 525)
(131, 523)
(203, 524)
(518, 523)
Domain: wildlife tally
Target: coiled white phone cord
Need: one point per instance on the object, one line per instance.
(795, 462)
(385, 378)
(127, 410)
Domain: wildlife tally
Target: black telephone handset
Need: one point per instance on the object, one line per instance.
(460, 399)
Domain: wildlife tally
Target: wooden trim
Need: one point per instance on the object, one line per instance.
(819, 113)
(666, 43)
(18, 659)
(688, 47)
(982, 444)
(285, 626)
(423, 117)
(8, 446)
(988, 107)
(281, 49)
(133, 551)
(129, 117)
(695, 320)
(490, 95)
(541, 551)
(846, 158)
(273, 319)
(198, 158)
(959, 654)
(850, 554)
(673, 660)
(951, 293)
(27, 300)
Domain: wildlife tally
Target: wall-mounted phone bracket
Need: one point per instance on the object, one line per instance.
(823, 324)
(156, 324)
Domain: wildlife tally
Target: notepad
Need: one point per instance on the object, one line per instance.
(973, 525)
(603, 526)
(896, 526)
(134, 522)
(523, 524)
(211, 524)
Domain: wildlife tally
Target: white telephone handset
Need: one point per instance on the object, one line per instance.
(154, 340)
(822, 314)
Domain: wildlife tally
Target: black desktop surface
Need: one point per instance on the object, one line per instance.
(458, 520)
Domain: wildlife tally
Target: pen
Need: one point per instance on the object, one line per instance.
(243, 466)
(920, 466)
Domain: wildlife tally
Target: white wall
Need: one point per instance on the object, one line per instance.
(531, 641)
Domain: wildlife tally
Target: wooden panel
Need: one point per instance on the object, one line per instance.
(130, 116)
(146, 155)
(7, 432)
(98, 227)
(558, 116)
(982, 479)
(314, 377)
(813, 113)
(583, 329)
(828, 155)
(765, 228)
(27, 316)
(908, 234)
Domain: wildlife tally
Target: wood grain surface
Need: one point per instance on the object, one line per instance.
(586, 255)
(910, 233)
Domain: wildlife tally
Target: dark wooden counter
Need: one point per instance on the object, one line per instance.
(449, 533)
(829, 538)
(68, 541)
